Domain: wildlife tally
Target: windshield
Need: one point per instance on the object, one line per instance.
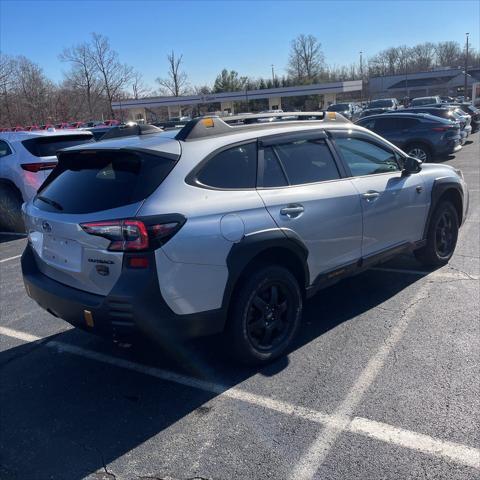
(338, 107)
(380, 104)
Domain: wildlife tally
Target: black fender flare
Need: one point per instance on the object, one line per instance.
(440, 186)
(254, 244)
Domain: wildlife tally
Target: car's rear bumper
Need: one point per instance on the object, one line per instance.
(449, 146)
(135, 305)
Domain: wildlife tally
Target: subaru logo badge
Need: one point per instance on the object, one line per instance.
(46, 227)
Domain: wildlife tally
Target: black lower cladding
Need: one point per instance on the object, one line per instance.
(135, 305)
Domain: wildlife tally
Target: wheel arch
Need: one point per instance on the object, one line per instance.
(445, 189)
(272, 247)
(8, 183)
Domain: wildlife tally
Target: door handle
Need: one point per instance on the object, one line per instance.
(370, 195)
(292, 211)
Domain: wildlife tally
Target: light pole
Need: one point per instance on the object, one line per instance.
(361, 76)
(466, 71)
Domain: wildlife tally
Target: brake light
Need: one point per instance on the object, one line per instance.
(125, 235)
(137, 262)
(36, 167)
(132, 235)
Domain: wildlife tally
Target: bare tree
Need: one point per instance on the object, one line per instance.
(138, 86)
(306, 60)
(176, 82)
(7, 73)
(448, 54)
(84, 74)
(114, 74)
(423, 56)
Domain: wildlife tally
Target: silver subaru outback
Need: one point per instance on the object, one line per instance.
(228, 227)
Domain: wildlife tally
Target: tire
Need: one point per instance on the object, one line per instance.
(440, 246)
(263, 323)
(11, 210)
(420, 151)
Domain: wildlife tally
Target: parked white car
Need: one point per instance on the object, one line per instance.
(26, 159)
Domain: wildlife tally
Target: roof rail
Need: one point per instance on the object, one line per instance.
(130, 130)
(208, 126)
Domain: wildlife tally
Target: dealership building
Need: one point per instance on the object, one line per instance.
(449, 82)
(153, 108)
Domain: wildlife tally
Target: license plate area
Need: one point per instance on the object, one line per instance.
(62, 252)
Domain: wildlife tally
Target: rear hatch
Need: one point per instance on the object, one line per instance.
(45, 149)
(89, 190)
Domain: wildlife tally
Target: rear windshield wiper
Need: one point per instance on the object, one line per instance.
(53, 203)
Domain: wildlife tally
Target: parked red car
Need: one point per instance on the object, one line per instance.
(31, 127)
(76, 124)
(111, 123)
(18, 128)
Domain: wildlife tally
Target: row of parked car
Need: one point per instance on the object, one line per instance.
(62, 126)
(428, 128)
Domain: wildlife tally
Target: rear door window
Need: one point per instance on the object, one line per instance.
(233, 168)
(386, 125)
(49, 146)
(307, 161)
(85, 182)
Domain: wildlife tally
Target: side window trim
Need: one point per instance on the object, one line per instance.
(366, 138)
(191, 178)
(282, 166)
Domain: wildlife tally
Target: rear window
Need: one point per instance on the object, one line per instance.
(233, 168)
(424, 101)
(380, 104)
(87, 182)
(338, 107)
(49, 146)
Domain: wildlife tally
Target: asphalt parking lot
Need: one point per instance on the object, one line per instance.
(382, 383)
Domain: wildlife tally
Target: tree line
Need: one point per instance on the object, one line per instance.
(96, 76)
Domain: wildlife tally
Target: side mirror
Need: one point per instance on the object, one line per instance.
(411, 165)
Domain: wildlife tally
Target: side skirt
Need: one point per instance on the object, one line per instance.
(330, 278)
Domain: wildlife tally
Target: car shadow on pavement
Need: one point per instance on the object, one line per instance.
(64, 416)
(6, 237)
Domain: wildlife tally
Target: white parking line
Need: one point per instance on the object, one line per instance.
(436, 274)
(455, 452)
(10, 258)
(320, 448)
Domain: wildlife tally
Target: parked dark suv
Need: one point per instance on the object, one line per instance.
(420, 135)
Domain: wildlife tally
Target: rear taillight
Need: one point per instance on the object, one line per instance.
(36, 167)
(132, 235)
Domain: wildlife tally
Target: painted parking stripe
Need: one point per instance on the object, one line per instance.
(318, 451)
(455, 452)
(436, 274)
(10, 258)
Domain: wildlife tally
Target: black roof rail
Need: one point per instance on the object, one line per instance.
(130, 130)
(208, 126)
